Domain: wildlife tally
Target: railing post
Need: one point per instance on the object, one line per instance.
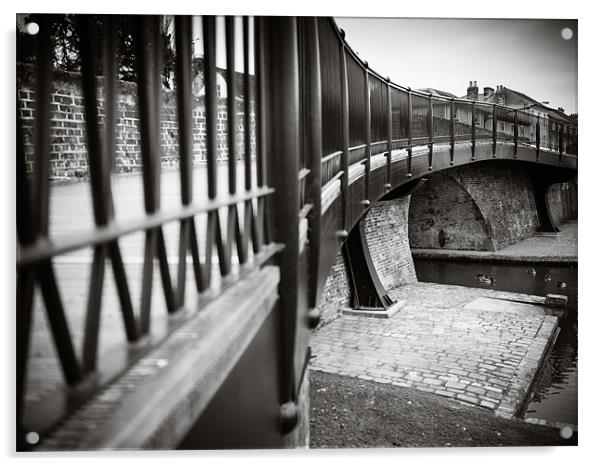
(279, 48)
(452, 117)
(342, 233)
(494, 129)
(474, 131)
(537, 139)
(312, 145)
(560, 142)
(368, 152)
(515, 133)
(389, 135)
(410, 135)
(431, 130)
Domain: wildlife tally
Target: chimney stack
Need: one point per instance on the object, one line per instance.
(472, 92)
(499, 95)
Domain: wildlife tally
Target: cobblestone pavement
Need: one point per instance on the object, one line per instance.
(469, 344)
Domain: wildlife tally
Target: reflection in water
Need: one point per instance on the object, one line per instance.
(554, 394)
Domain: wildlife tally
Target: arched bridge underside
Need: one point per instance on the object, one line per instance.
(332, 137)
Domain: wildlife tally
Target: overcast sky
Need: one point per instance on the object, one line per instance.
(529, 56)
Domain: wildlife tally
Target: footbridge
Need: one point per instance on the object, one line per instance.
(210, 345)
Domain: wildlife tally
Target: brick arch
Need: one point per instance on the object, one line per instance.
(443, 215)
(481, 206)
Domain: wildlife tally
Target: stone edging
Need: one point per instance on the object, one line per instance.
(515, 397)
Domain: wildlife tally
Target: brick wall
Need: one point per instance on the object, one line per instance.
(386, 228)
(68, 148)
(336, 293)
(443, 215)
(562, 198)
(481, 207)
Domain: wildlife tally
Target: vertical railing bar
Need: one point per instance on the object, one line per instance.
(232, 117)
(58, 323)
(389, 134)
(199, 275)
(45, 273)
(248, 230)
(560, 142)
(259, 221)
(110, 36)
(368, 136)
(43, 69)
(312, 145)
(123, 292)
(494, 130)
(25, 276)
(515, 133)
(168, 290)
(148, 93)
(24, 298)
(282, 144)
(246, 101)
(431, 131)
(210, 102)
(474, 130)
(537, 139)
(150, 246)
(452, 118)
(410, 135)
(183, 72)
(345, 139)
(92, 326)
(232, 226)
(99, 164)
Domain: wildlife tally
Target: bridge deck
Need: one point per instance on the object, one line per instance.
(464, 343)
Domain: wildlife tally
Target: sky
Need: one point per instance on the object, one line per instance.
(529, 56)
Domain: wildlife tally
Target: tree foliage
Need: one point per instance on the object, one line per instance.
(66, 49)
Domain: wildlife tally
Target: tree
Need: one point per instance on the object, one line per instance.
(66, 49)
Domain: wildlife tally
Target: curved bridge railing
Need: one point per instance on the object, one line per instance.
(331, 135)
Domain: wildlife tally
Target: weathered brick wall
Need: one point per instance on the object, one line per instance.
(68, 146)
(465, 207)
(443, 215)
(505, 197)
(386, 228)
(562, 198)
(336, 293)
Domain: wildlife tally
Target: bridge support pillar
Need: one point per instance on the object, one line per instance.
(546, 221)
(368, 291)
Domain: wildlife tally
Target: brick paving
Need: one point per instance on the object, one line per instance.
(477, 346)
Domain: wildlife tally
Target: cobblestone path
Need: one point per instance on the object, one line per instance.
(477, 346)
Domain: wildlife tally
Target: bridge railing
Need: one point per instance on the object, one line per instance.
(222, 236)
(407, 113)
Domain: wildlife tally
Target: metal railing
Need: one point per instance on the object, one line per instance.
(319, 109)
(415, 117)
(244, 209)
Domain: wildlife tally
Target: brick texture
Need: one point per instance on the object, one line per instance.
(68, 144)
(336, 293)
(386, 228)
(443, 215)
(482, 207)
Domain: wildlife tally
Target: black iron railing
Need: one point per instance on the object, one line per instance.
(411, 112)
(319, 113)
(244, 209)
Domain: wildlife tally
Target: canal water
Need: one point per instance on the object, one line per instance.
(554, 393)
